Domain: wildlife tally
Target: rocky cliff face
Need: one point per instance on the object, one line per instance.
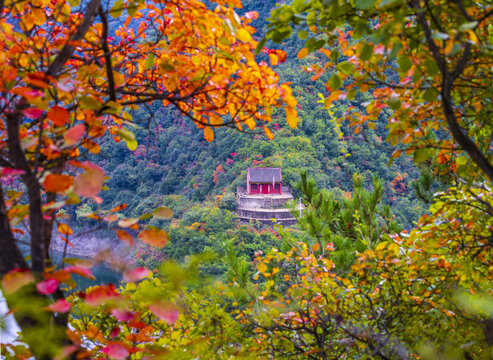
(92, 246)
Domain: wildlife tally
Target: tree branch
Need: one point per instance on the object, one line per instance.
(107, 55)
(67, 51)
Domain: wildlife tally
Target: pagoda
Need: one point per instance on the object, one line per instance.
(264, 198)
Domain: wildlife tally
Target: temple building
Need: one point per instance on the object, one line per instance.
(264, 198)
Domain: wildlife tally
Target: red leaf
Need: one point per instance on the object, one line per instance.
(90, 182)
(101, 294)
(136, 274)
(81, 271)
(165, 311)
(59, 306)
(122, 315)
(32, 113)
(73, 135)
(116, 350)
(58, 115)
(47, 287)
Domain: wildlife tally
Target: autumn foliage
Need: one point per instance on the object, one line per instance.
(349, 282)
(71, 74)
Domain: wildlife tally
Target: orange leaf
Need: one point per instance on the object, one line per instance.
(154, 236)
(57, 183)
(208, 134)
(73, 135)
(124, 236)
(269, 133)
(58, 115)
(302, 53)
(64, 229)
(90, 182)
(119, 207)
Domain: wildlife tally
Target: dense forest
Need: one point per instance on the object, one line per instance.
(175, 166)
(134, 122)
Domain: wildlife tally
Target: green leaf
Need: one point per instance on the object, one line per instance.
(117, 9)
(335, 82)
(129, 138)
(131, 9)
(430, 94)
(364, 4)
(149, 61)
(468, 26)
(166, 67)
(404, 63)
(421, 155)
(302, 34)
(74, 3)
(431, 67)
(394, 103)
(87, 102)
(345, 67)
(260, 46)
(366, 52)
(461, 160)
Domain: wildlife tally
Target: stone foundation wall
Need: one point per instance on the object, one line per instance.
(283, 222)
(252, 214)
(265, 202)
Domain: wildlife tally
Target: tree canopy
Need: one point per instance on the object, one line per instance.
(348, 281)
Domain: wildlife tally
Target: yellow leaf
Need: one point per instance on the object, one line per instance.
(250, 123)
(39, 16)
(244, 35)
(274, 60)
(449, 46)
(269, 133)
(162, 212)
(381, 246)
(473, 37)
(261, 267)
(64, 229)
(16, 279)
(292, 117)
(208, 134)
